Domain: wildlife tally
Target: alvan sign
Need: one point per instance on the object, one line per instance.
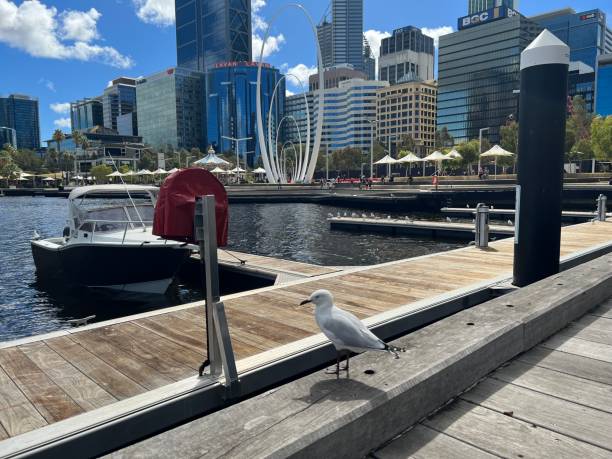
(489, 15)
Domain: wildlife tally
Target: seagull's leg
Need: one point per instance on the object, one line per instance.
(337, 372)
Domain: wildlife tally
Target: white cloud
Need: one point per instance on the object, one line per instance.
(301, 72)
(40, 31)
(437, 32)
(374, 38)
(60, 107)
(289, 93)
(48, 84)
(158, 12)
(257, 22)
(62, 123)
(273, 45)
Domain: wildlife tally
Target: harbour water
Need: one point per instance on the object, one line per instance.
(291, 231)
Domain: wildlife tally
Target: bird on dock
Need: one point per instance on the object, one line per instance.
(338, 214)
(449, 220)
(510, 223)
(346, 332)
(353, 215)
(364, 216)
(388, 217)
(372, 214)
(467, 206)
(345, 214)
(330, 215)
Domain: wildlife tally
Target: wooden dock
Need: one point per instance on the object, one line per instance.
(68, 381)
(566, 214)
(434, 229)
(553, 401)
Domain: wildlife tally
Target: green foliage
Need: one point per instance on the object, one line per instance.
(8, 169)
(443, 138)
(100, 172)
(27, 160)
(147, 160)
(408, 144)
(124, 169)
(601, 137)
(347, 160)
(469, 151)
(578, 130)
(58, 136)
(509, 136)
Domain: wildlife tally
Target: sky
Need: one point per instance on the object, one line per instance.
(63, 50)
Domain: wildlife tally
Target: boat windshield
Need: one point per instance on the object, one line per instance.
(113, 215)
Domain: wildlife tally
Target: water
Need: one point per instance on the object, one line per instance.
(292, 231)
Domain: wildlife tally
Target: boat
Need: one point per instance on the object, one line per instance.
(108, 242)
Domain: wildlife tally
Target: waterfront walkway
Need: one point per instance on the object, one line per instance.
(553, 401)
(67, 381)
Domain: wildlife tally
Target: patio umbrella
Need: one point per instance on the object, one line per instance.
(173, 170)
(218, 170)
(388, 160)
(238, 170)
(115, 174)
(160, 171)
(409, 158)
(454, 154)
(438, 157)
(495, 152)
(48, 179)
(211, 159)
(144, 172)
(259, 170)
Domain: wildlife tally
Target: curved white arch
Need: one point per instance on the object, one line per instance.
(277, 157)
(292, 145)
(313, 155)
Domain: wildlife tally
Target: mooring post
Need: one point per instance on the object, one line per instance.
(482, 226)
(602, 207)
(219, 346)
(543, 108)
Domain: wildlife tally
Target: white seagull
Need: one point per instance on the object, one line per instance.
(346, 332)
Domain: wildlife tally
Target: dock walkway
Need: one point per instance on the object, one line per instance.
(552, 401)
(68, 381)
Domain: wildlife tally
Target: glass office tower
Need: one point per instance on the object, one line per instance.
(232, 106)
(476, 6)
(478, 72)
(347, 33)
(212, 31)
(85, 114)
(603, 105)
(20, 112)
(406, 55)
(171, 109)
(118, 99)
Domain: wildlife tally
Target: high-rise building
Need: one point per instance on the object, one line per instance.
(171, 109)
(406, 55)
(332, 77)
(603, 105)
(369, 61)
(118, 99)
(478, 72)
(586, 33)
(212, 31)
(324, 34)
(8, 135)
(477, 6)
(20, 112)
(581, 82)
(407, 109)
(232, 106)
(86, 113)
(347, 32)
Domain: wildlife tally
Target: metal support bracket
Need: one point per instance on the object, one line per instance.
(482, 226)
(602, 207)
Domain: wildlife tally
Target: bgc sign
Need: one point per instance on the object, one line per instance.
(492, 14)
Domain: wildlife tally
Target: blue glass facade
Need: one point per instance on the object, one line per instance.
(119, 99)
(476, 6)
(20, 113)
(604, 86)
(212, 31)
(85, 114)
(232, 105)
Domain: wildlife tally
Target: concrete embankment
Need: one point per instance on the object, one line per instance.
(320, 416)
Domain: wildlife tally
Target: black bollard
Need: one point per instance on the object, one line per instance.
(543, 99)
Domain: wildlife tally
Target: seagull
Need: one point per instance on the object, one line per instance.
(467, 206)
(364, 216)
(330, 215)
(372, 214)
(346, 332)
(448, 220)
(388, 217)
(345, 214)
(353, 215)
(510, 223)
(36, 236)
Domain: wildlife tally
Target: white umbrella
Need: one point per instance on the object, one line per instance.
(238, 169)
(25, 175)
(259, 170)
(454, 154)
(77, 177)
(48, 179)
(496, 151)
(218, 170)
(160, 171)
(129, 174)
(409, 158)
(388, 160)
(173, 170)
(115, 174)
(437, 156)
(144, 172)
(211, 159)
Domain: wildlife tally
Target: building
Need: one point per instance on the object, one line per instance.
(369, 61)
(349, 109)
(8, 135)
(86, 113)
(232, 106)
(171, 109)
(324, 34)
(347, 33)
(603, 105)
(478, 72)
(96, 136)
(334, 75)
(581, 82)
(212, 31)
(20, 112)
(118, 99)
(586, 33)
(406, 55)
(477, 6)
(407, 109)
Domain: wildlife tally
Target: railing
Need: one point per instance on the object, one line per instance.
(127, 224)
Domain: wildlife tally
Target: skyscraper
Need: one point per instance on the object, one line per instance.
(212, 31)
(324, 34)
(20, 112)
(85, 114)
(406, 55)
(118, 99)
(476, 6)
(347, 33)
(604, 86)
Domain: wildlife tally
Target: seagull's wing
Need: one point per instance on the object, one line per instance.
(347, 331)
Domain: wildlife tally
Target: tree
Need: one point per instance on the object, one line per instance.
(8, 168)
(470, 152)
(347, 159)
(408, 143)
(146, 161)
(443, 138)
(27, 160)
(100, 172)
(78, 138)
(509, 136)
(58, 137)
(601, 137)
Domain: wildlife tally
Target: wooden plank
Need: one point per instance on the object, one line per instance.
(594, 370)
(170, 327)
(603, 311)
(589, 333)
(581, 347)
(17, 414)
(86, 393)
(103, 374)
(51, 401)
(3, 433)
(424, 443)
(570, 419)
(567, 387)
(126, 362)
(506, 436)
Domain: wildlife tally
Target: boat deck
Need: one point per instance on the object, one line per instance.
(52, 379)
(553, 401)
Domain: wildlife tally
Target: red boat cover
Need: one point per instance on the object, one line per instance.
(174, 211)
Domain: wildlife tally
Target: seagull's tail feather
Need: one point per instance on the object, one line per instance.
(394, 350)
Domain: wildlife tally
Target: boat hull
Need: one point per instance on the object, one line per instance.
(132, 268)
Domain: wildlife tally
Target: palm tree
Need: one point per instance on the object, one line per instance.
(59, 137)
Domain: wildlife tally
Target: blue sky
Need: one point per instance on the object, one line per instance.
(63, 50)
